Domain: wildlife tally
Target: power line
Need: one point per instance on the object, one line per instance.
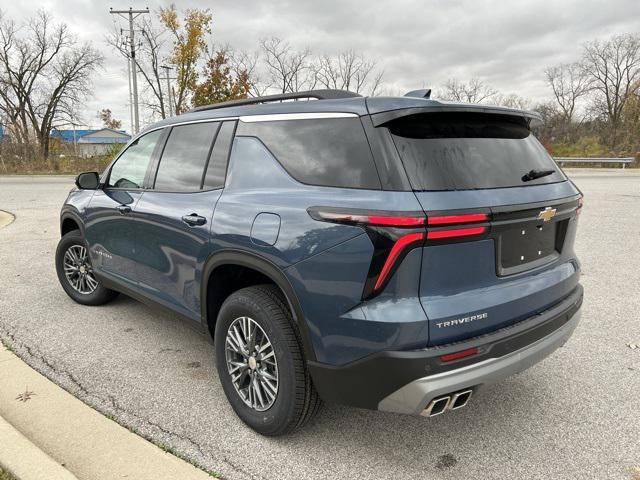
(132, 14)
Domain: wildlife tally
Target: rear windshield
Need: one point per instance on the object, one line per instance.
(454, 151)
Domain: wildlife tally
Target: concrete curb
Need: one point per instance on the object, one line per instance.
(89, 445)
(6, 218)
(24, 460)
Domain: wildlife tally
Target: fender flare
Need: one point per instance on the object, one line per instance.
(251, 260)
(71, 213)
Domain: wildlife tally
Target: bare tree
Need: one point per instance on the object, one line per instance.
(348, 71)
(569, 82)
(148, 62)
(614, 67)
(44, 76)
(288, 70)
(476, 91)
(511, 100)
(247, 62)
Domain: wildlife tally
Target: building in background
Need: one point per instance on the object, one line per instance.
(87, 143)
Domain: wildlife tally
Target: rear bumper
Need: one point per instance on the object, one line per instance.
(406, 381)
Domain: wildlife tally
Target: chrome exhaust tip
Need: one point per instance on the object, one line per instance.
(460, 399)
(437, 406)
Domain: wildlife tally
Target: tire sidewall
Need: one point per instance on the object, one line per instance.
(282, 411)
(100, 295)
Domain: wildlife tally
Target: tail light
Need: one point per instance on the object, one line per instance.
(394, 234)
(580, 203)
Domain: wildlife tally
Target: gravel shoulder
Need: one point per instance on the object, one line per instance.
(574, 415)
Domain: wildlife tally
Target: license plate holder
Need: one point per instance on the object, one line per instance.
(526, 246)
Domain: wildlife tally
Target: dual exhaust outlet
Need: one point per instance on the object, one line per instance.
(441, 404)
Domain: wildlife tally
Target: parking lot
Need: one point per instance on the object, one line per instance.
(574, 415)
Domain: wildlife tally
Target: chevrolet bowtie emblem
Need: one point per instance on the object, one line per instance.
(547, 214)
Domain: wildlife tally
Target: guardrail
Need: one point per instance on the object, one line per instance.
(623, 161)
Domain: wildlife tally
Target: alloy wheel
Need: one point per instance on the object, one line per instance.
(78, 271)
(251, 363)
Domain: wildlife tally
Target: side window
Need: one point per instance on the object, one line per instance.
(217, 168)
(331, 152)
(130, 169)
(184, 157)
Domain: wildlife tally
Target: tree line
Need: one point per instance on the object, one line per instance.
(46, 72)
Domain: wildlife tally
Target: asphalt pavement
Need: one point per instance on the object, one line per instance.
(574, 415)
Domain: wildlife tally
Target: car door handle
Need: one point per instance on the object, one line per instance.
(194, 219)
(123, 209)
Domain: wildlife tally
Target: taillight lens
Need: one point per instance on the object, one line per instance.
(407, 220)
(461, 218)
(455, 232)
(399, 247)
(394, 235)
(580, 203)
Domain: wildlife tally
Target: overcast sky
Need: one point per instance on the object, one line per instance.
(419, 43)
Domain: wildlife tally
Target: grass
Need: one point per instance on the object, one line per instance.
(4, 475)
(54, 165)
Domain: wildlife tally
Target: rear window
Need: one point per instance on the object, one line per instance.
(331, 152)
(453, 151)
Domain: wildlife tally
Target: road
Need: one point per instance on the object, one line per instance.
(574, 415)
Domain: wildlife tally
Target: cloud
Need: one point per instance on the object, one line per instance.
(417, 42)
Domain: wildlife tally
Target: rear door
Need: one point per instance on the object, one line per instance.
(175, 213)
(110, 225)
(501, 220)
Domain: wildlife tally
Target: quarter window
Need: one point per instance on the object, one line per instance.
(330, 152)
(184, 157)
(130, 169)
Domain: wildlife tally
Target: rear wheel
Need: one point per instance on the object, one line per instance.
(75, 272)
(260, 363)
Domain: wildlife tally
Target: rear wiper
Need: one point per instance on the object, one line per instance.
(533, 174)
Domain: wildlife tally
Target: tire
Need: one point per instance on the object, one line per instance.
(95, 293)
(296, 400)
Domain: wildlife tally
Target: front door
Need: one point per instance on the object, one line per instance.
(110, 227)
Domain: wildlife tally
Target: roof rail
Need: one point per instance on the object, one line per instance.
(317, 94)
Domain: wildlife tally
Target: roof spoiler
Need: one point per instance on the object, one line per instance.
(533, 119)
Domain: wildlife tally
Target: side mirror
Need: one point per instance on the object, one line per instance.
(88, 181)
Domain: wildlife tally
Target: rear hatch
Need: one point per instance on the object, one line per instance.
(501, 220)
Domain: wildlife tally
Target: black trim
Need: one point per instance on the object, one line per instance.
(247, 259)
(327, 94)
(111, 283)
(70, 212)
(206, 164)
(365, 382)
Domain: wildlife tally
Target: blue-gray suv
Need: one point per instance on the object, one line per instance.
(386, 253)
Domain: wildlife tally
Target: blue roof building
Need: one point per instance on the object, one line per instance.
(91, 142)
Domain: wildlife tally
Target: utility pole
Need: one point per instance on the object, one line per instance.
(130, 91)
(133, 14)
(166, 72)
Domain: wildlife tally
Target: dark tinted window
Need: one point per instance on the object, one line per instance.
(217, 168)
(184, 157)
(330, 152)
(453, 151)
(130, 169)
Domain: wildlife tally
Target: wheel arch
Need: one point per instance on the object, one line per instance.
(70, 220)
(263, 267)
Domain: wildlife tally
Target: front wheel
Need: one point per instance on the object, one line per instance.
(75, 273)
(260, 363)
